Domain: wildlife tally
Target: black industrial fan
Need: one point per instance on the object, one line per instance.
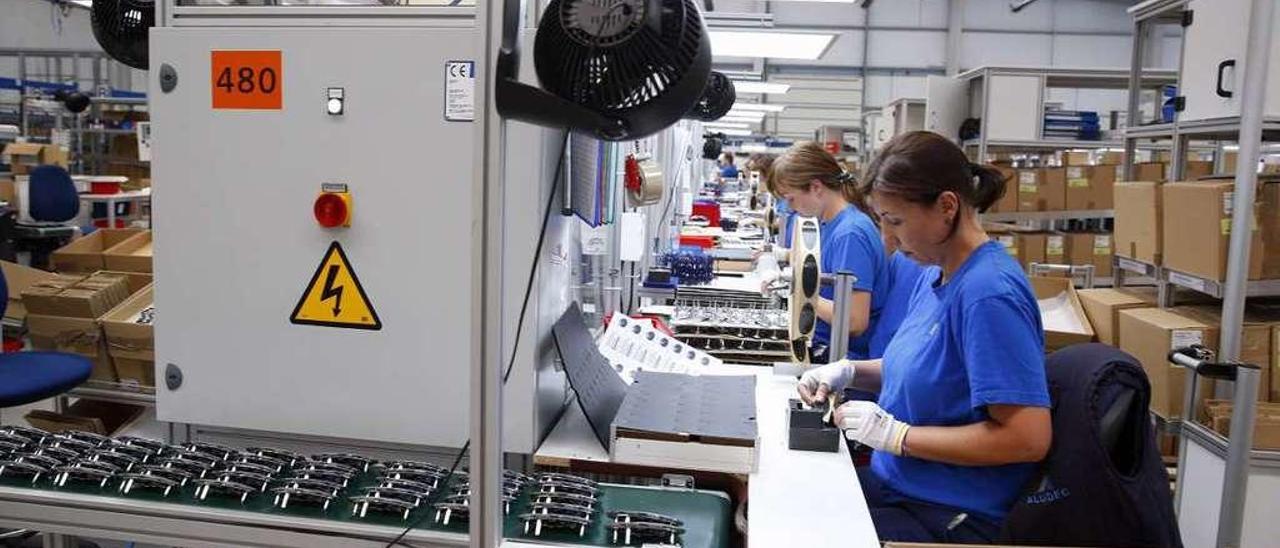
(717, 98)
(121, 28)
(712, 146)
(616, 69)
(75, 101)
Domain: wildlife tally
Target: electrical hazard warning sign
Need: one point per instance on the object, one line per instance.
(334, 297)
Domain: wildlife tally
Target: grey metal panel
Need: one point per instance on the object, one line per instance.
(237, 243)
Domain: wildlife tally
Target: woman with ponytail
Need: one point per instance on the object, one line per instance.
(962, 414)
(814, 185)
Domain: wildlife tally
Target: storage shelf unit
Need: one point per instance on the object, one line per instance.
(1214, 288)
(979, 80)
(1048, 215)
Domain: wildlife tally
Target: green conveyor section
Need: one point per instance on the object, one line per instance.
(706, 515)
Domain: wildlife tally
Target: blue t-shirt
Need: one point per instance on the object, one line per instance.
(973, 341)
(903, 275)
(851, 241)
(729, 172)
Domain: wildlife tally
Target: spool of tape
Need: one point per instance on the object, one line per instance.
(649, 190)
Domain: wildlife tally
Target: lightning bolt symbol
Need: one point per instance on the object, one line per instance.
(331, 291)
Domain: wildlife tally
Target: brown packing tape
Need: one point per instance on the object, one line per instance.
(132, 345)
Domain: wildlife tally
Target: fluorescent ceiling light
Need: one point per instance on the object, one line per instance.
(753, 115)
(823, 1)
(760, 107)
(780, 45)
(741, 120)
(85, 3)
(744, 86)
(732, 132)
(728, 125)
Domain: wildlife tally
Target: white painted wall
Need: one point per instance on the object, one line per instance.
(38, 24)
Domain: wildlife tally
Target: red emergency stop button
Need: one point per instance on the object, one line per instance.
(333, 209)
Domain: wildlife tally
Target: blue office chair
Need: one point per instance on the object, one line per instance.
(52, 195)
(52, 202)
(27, 377)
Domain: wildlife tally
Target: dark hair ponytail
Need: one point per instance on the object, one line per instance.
(989, 186)
(919, 166)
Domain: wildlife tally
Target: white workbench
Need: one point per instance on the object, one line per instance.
(796, 498)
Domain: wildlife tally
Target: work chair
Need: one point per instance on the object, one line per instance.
(52, 201)
(28, 377)
(1104, 482)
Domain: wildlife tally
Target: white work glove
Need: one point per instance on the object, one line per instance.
(819, 382)
(867, 423)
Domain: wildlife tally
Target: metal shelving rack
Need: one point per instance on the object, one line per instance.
(1250, 130)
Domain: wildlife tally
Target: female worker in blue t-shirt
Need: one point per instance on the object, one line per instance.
(814, 185)
(963, 408)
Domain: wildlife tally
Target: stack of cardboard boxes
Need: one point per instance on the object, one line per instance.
(63, 314)
(23, 157)
(1129, 319)
(125, 250)
(1074, 248)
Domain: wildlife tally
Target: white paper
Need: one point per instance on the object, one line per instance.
(144, 141)
(595, 240)
(631, 236)
(686, 203)
(1182, 338)
(1057, 314)
(460, 91)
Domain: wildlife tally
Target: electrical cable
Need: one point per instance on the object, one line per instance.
(524, 307)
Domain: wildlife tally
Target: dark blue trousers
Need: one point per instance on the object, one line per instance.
(903, 519)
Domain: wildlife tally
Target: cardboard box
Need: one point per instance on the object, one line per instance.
(1031, 248)
(131, 255)
(1077, 158)
(89, 297)
(1089, 187)
(100, 417)
(20, 278)
(1090, 248)
(1043, 189)
(1138, 221)
(22, 157)
(1197, 169)
(1150, 172)
(1198, 216)
(1103, 306)
(85, 254)
(1109, 158)
(1255, 339)
(131, 340)
(1266, 424)
(1148, 334)
(1055, 248)
(1009, 202)
(1010, 243)
(1065, 322)
(81, 336)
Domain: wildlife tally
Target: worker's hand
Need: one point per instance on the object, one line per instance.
(819, 382)
(782, 254)
(867, 423)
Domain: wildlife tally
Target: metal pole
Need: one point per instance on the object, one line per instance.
(1252, 97)
(486, 336)
(1253, 93)
(1236, 476)
(1135, 81)
(842, 301)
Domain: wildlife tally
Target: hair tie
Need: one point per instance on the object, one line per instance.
(974, 170)
(846, 178)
